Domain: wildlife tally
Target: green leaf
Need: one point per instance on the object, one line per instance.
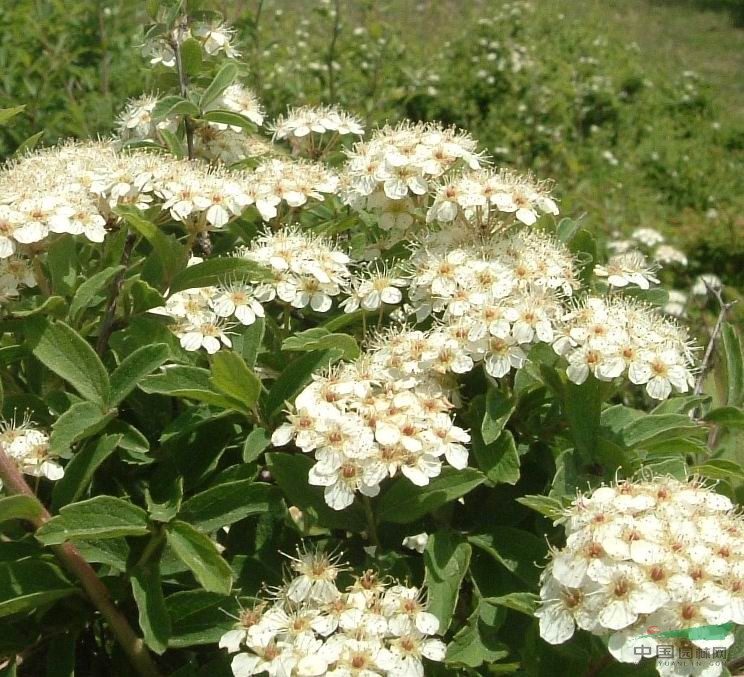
(198, 617)
(499, 460)
(719, 469)
(7, 114)
(294, 378)
(134, 367)
(290, 471)
(250, 341)
(582, 405)
(652, 428)
(80, 470)
(171, 254)
(191, 56)
(172, 105)
(153, 614)
(60, 656)
(80, 421)
(319, 338)
(566, 229)
(217, 270)
(524, 602)
(164, 495)
(730, 417)
(228, 503)
(201, 556)
(551, 507)
(446, 561)
(62, 263)
(19, 507)
(173, 143)
(67, 354)
(89, 294)
(97, 518)
(190, 382)
(224, 78)
(29, 584)
(28, 144)
(499, 408)
(732, 349)
(478, 642)
(227, 117)
(255, 444)
(518, 551)
(403, 502)
(231, 376)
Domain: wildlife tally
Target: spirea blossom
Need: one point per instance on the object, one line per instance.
(302, 126)
(659, 553)
(307, 270)
(386, 413)
(376, 626)
(614, 337)
(628, 268)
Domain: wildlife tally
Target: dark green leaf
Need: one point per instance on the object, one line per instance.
(19, 507)
(89, 294)
(719, 469)
(68, 355)
(499, 408)
(80, 470)
(191, 56)
(250, 341)
(520, 552)
(189, 382)
(224, 78)
(7, 114)
(81, 420)
(62, 262)
(499, 460)
(255, 444)
(732, 349)
(524, 602)
(403, 502)
(730, 417)
(134, 367)
(29, 584)
(566, 229)
(29, 144)
(228, 503)
(199, 617)
(231, 376)
(653, 427)
(478, 642)
(200, 554)
(231, 118)
(290, 472)
(97, 518)
(551, 507)
(319, 338)
(296, 375)
(172, 105)
(217, 270)
(446, 561)
(153, 614)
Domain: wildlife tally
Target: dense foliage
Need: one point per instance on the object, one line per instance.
(285, 392)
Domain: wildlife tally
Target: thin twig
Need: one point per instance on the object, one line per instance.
(705, 363)
(371, 522)
(183, 81)
(332, 51)
(107, 326)
(73, 561)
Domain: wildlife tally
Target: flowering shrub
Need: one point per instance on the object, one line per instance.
(227, 338)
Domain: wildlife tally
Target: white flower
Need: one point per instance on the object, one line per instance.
(416, 542)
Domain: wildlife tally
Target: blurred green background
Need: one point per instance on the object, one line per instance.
(634, 107)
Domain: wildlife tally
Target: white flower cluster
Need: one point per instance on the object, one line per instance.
(376, 627)
(654, 244)
(400, 165)
(289, 182)
(482, 198)
(659, 553)
(613, 336)
(374, 288)
(499, 296)
(204, 315)
(15, 272)
(237, 98)
(385, 413)
(28, 448)
(136, 123)
(307, 270)
(300, 126)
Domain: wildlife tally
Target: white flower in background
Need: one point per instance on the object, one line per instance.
(676, 306)
(216, 37)
(628, 268)
(237, 98)
(666, 255)
(639, 554)
(312, 628)
(647, 236)
(704, 283)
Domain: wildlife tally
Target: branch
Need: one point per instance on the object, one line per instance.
(332, 52)
(107, 326)
(73, 561)
(183, 82)
(705, 364)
